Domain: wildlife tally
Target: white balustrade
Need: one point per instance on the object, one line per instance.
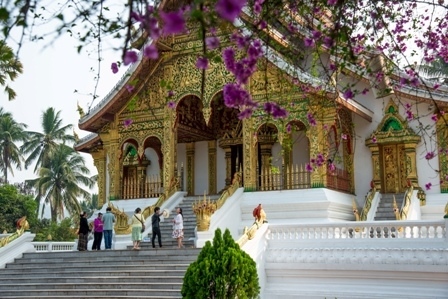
(360, 230)
(53, 246)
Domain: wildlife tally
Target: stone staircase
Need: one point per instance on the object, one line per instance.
(154, 273)
(385, 206)
(166, 227)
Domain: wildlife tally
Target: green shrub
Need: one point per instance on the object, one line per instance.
(222, 271)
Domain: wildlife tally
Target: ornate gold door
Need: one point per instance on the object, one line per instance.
(394, 173)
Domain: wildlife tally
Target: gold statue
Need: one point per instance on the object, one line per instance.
(80, 110)
(446, 211)
(75, 135)
(22, 225)
(121, 227)
(355, 210)
(396, 210)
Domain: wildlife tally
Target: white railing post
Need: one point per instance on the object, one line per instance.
(446, 230)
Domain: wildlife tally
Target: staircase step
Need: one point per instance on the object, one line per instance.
(146, 273)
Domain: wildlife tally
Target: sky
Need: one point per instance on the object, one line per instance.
(50, 76)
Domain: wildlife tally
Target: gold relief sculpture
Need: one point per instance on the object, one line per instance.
(394, 142)
(422, 197)
(355, 210)
(442, 140)
(22, 225)
(368, 203)
(204, 209)
(206, 111)
(121, 226)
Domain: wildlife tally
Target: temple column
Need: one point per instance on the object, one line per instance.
(99, 160)
(250, 156)
(228, 159)
(319, 145)
(110, 143)
(266, 154)
(169, 149)
(411, 162)
(286, 143)
(212, 160)
(374, 148)
(190, 168)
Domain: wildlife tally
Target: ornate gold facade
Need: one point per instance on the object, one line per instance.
(393, 147)
(167, 108)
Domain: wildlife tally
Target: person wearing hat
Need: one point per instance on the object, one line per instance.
(97, 232)
(83, 232)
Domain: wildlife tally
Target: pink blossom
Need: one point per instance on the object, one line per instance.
(129, 88)
(151, 52)
(308, 167)
(127, 122)
(348, 94)
(202, 63)
(229, 9)
(130, 57)
(434, 117)
(114, 67)
(212, 42)
(245, 114)
(173, 22)
(311, 119)
(428, 186)
(429, 155)
(309, 42)
(171, 105)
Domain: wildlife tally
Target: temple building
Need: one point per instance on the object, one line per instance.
(161, 126)
(164, 133)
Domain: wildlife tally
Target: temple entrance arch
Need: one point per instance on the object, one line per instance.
(393, 146)
(227, 129)
(193, 137)
(269, 158)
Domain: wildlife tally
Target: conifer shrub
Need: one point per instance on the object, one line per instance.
(222, 271)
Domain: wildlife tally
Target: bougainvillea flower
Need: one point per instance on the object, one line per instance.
(129, 88)
(171, 105)
(114, 67)
(127, 122)
(202, 63)
(229, 9)
(429, 155)
(348, 94)
(151, 52)
(130, 57)
(173, 22)
(212, 42)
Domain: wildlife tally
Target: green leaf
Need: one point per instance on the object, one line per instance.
(4, 14)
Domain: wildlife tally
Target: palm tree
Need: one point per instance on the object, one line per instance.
(10, 68)
(436, 70)
(40, 145)
(11, 132)
(59, 182)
